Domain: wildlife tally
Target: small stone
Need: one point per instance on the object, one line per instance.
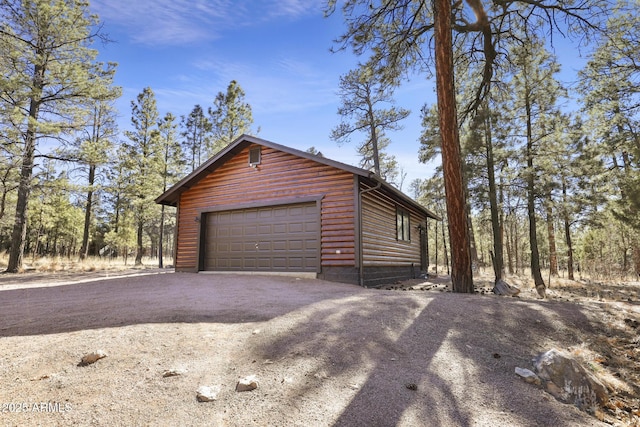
(90, 358)
(247, 383)
(412, 386)
(528, 376)
(41, 377)
(172, 373)
(207, 393)
(322, 375)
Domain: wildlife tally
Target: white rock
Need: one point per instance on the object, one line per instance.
(207, 393)
(528, 376)
(247, 383)
(90, 358)
(173, 372)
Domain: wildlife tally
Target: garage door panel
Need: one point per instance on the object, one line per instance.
(286, 236)
(280, 245)
(265, 229)
(246, 231)
(281, 262)
(280, 212)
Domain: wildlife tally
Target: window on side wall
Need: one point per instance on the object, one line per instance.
(403, 225)
(254, 156)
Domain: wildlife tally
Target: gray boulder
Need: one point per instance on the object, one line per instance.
(569, 381)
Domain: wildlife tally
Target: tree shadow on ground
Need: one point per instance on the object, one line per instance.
(164, 298)
(426, 358)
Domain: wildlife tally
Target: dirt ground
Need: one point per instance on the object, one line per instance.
(324, 354)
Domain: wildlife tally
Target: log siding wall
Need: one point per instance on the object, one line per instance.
(379, 240)
(278, 176)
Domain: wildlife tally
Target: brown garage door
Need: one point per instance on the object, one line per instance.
(273, 238)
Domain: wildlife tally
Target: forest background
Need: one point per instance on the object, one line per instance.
(564, 182)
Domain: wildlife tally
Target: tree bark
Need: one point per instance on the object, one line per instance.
(139, 248)
(19, 232)
(567, 236)
(531, 212)
(373, 137)
(161, 237)
(461, 273)
(445, 249)
(516, 246)
(509, 249)
(84, 248)
(497, 257)
(551, 235)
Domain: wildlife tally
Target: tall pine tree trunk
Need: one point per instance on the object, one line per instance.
(373, 137)
(497, 256)
(551, 236)
(19, 232)
(567, 231)
(567, 236)
(140, 247)
(84, 248)
(531, 211)
(516, 246)
(161, 237)
(472, 237)
(509, 248)
(461, 277)
(445, 249)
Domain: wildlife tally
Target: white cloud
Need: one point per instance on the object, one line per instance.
(180, 22)
(294, 8)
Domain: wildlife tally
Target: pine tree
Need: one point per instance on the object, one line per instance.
(397, 34)
(172, 164)
(93, 150)
(50, 69)
(611, 99)
(484, 144)
(196, 135)
(535, 94)
(144, 163)
(230, 117)
(361, 96)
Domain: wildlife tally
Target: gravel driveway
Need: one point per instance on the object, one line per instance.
(324, 353)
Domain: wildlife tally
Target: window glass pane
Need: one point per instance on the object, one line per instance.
(405, 226)
(254, 155)
(402, 225)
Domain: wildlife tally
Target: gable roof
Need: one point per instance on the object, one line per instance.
(172, 195)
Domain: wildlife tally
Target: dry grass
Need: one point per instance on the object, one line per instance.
(73, 264)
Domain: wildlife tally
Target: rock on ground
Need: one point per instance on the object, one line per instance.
(90, 358)
(207, 393)
(569, 381)
(247, 383)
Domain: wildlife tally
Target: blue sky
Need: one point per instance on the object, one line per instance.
(277, 50)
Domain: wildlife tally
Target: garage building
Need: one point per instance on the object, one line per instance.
(258, 206)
